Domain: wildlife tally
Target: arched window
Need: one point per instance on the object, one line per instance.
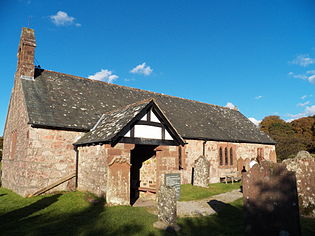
(221, 156)
(231, 156)
(226, 156)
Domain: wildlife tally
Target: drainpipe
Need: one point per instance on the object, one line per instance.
(204, 148)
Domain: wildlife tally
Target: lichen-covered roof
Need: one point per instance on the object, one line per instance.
(69, 102)
(110, 125)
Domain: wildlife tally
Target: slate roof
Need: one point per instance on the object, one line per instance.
(63, 101)
(112, 124)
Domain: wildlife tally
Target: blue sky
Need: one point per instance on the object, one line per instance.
(256, 55)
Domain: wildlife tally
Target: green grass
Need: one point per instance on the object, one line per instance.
(228, 221)
(189, 192)
(71, 214)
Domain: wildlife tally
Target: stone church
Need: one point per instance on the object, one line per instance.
(69, 132)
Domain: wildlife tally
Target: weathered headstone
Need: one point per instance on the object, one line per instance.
(201, 172)
(167, 208)
(304, 167)
(270, 200)
(173, 180)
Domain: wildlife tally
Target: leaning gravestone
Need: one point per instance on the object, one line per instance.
(167, 207)
(270, 200)
(304, 167)
(201, 172)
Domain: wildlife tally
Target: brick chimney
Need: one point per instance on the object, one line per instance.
(26, 52)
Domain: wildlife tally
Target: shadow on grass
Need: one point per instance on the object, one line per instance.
(3, 194)
(229, 220)
(92, 220)
(13, 217)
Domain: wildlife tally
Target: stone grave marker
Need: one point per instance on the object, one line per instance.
(304, 167)
(167, 209)
(173, 180)
(201, 172)
(270, 200)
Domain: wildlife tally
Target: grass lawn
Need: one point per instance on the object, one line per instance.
(71, 214)
(189, 192)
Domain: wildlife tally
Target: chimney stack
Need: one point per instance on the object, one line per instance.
(26, 53)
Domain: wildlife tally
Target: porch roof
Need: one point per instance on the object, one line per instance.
(112, 126)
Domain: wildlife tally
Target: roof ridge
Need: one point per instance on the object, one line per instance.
(136, 89)
(130, 105)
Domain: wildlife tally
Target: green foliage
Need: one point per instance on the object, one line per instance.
(189, 192)
(290, 137)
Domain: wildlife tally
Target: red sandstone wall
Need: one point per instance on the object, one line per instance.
(242, 153)
(167, 162)
(13, 165)
(41, 156)
(92, 171)
(50, 157)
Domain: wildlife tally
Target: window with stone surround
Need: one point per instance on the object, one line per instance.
(231, 156)
(13, 144)
(226, 156)
(221, 156)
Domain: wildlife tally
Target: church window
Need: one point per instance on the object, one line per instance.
(231, 156)
(226, 156)
(221, 156)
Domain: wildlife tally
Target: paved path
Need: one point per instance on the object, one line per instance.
(202, 207)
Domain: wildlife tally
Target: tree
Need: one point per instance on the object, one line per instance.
(290, 137)
(269, 121)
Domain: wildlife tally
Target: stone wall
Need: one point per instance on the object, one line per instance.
(41, 156)
(304, 167)
(242, 153)
(118, 178)
(15, 148)
(167, 162)
(92, 169)
(105, 171)
(50, 157)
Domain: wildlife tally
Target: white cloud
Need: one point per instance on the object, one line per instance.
(256, 122)
(308, 111)
(309, 76)
(303, 60)
(63, 19)
(303, 104)
(142, 69)
(303, 97)
(230, 105)
(311, 79)
(289, 120)
(258, 97)
(104, 75)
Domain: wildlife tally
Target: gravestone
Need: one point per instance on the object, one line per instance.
(173, 180)
(304, 167)
(270, 200)
(167, 207)
(201, 172)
